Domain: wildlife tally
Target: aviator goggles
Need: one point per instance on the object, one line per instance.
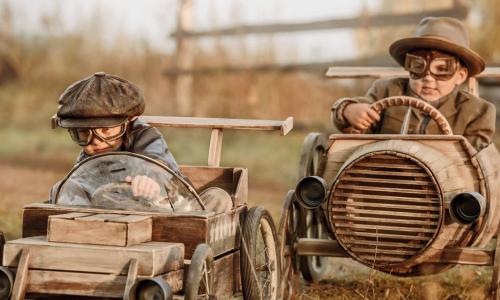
(84, 136)
(440, 68)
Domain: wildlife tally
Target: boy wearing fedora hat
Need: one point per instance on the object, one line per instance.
(101, 114)
(438, 59)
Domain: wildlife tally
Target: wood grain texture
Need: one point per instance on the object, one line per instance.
(21, 279)
(451, 165)
(131, 277)
(100, 229)
(153, 257)
(215, 149)
(467, 256)
(227, 275)
(190, 228)
(89, 284)
(241, 124)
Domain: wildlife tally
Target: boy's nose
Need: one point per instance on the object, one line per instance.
(428, 76)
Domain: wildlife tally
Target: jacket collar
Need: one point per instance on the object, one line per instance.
(447, 105)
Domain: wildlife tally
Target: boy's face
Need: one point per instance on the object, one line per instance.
(98, 146)
(438, 78)
(99, 140)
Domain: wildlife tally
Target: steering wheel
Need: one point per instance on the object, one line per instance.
(118, 195)
(421, 105)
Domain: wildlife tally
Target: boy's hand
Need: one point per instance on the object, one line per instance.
(143, 186)
(360, 115)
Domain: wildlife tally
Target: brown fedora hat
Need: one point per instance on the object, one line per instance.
(440, 33)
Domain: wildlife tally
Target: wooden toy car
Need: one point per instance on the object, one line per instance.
(401, 204)
(173, 247)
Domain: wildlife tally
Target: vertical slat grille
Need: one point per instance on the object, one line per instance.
(385, 208)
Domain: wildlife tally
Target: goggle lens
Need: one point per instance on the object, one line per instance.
(440, 68)
(84, 136)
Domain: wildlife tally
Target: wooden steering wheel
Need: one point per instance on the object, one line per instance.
(435, 114)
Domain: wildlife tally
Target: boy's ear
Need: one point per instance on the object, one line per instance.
(463, 73)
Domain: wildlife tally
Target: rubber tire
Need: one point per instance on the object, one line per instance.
(313, 155)
(203, 255)
(255, 218)
(313, 268)
(288, 235)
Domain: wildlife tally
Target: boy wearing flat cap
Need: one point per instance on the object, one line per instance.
(438, 59)
(101, 114)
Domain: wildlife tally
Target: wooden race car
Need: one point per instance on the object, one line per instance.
(173, 248)
(401, 204)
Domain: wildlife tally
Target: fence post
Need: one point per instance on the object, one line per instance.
(184, 60)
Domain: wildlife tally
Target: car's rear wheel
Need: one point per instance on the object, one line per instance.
(288, 235)
(260, 264)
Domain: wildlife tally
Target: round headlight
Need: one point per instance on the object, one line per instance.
(466, 208)
(311, 192)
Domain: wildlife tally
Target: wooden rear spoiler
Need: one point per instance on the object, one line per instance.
(217, 125)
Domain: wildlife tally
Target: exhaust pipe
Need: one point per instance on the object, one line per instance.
(6, 282)
(467, 208)
(311, 192)
(150, 288)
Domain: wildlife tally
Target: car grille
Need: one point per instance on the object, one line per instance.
(385, 208)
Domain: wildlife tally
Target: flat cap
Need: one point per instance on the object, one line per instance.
(100, 100)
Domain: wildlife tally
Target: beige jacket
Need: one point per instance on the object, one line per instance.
(468, 115)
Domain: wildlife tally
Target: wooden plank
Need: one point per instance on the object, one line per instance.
(184, 60)
(383, 227)
(388, 181)
(21, 280)
(466, 256)
(407, 221)
(223, 231)
(384, 189)
(495, 280)
(381, 72)
(386, 173)
(384, 206)
(391, 214)
(320, 247)
(153, 257)
(386, 19)
(390, 198)
(240, 178)
(131, 277)
(373, 243)
(383, 235)
(100, 229)
(360, 139)
(381, 258)
(381, 251)
(241, 124)
(214, 151)
(227, 275)
(205, 177)
(88, 284)
(388, 165)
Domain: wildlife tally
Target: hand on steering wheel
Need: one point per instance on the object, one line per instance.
(367, 113)
(144, 187)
